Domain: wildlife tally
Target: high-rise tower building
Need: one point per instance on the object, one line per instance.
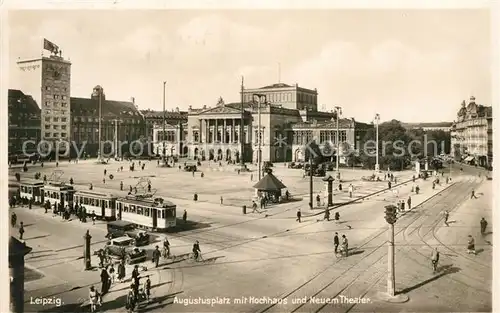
(48, 81)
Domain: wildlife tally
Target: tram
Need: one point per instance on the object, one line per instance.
(31, 189)
(155, 214)
(57, 192)
(99, 202)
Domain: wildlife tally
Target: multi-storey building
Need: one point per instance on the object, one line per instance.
(215, 132)
(154, 119)
(121, 124)
(24, 123)
(48, 81)
(324, 134)
(472, 134)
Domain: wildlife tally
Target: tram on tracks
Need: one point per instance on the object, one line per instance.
(102, 203)
(58, 192)
(153, 214)
(31, 189)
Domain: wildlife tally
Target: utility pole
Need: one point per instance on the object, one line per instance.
(390, 295)
(311, 203)
(377, 165)
(163, 133)
(338, 111)
(242, 137)
(259, 152)
(99, 132)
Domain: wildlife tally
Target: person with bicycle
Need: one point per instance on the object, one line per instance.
(434, 259)
(13, 219)
(166, 249)
(196, 250)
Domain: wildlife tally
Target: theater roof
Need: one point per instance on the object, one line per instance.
(90, 107)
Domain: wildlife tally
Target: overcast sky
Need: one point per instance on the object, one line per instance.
(411, 65)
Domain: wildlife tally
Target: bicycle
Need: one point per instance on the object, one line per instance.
(196, 258)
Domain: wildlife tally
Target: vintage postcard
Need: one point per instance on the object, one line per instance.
(227, 159)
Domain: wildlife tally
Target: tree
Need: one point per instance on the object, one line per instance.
(393, 147)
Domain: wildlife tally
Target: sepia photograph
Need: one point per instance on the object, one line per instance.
(249, 160)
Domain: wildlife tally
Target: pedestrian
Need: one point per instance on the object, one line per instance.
(447, 180)
(446, 216)
(389, 185)
(409, 202)
(147, 288)
(433, 185)
(131, 299)
(166, 248)
(94, 299)
(484, 224)
(327, 215)
(318, 200)
(417, 190)
(251, 177)
(434, 259)
(254, 207)
(184, 216)
(345, 245)
(149, 187)
(105, 281)
(351, 189)
(413, 178)
(336, 242)
(221, 200)
(299, 215)
(121, 271)
(13, 219)
(471, 247)
(121, 185)
(105, 171)
(135, 278)
(473, 195)
(337, 217)
(21, 231)
(93, 217)
(156, 256)
(112, 273)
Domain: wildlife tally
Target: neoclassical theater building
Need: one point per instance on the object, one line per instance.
(287, 113)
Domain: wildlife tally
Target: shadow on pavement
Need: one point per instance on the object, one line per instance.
(442, 270)
(189, 225)
(31, 275)
(158, 302)
(352, 251)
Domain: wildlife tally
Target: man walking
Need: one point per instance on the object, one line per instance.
(435, 259)
(351, 189)
(409, 202)
(184, 216)
(327, 215)
(446, 216)
(156, 256)
(299, 215)
(21, 231)
(473, 195)
(484, 224)
(336, 242)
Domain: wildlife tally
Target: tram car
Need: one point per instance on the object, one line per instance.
(102, 203)
(56, 192)
(31, 189)
(153, 214)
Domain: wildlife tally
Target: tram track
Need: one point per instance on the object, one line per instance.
(300, 288)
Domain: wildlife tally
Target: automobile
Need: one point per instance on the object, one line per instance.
(190, 168)
(124, 248)
(126, 229)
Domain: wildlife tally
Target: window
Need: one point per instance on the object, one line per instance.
(47, 134)
(125, 208)
(132, 209)
(56, 126)
(196, 136)
(47, 126)
(63, 119)
(56, 96)
(47, 103)
(63, 97)
(146, 211)
(56, 119)
(47, 119)
(64, 104)
(47, 87)
(63, 134)
(140, 210)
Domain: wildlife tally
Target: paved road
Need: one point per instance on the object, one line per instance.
(276, 257)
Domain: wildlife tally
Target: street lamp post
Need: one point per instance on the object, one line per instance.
(163, 133)
(116, 138)
(311, 203)
(259, 136)
(242, 137)
(338, 113)
(99, 132)
(377, 120)
(390, 295)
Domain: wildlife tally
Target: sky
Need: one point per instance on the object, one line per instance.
(410, 65)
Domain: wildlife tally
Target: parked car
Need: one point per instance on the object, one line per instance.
(124, 248)
(120, 228)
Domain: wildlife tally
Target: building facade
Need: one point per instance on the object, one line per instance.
(324, 135)
(286, 96)
(48, 81)
(472, 134)
(122, 125)
(214, 133)
(154, 119)
(444, 126)
(24, 123)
